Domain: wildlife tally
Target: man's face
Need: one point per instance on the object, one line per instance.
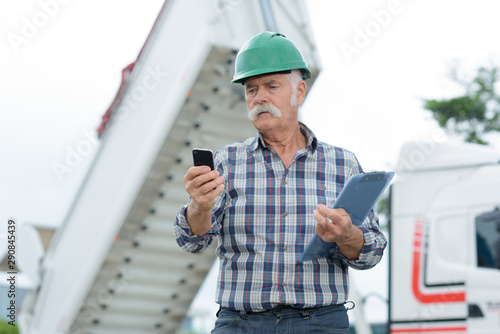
(273, 90)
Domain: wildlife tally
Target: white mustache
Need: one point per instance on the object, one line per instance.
(260, 108)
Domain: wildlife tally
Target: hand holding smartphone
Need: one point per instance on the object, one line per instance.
(203, 187)
(203, 157)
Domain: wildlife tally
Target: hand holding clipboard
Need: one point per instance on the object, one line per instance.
(359, 195)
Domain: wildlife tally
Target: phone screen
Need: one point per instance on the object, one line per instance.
(203, 157)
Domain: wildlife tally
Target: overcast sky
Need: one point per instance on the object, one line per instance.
(379, 59)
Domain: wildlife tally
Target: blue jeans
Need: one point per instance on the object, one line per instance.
(284, 320)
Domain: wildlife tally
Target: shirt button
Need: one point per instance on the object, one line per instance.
(324, 188)
(286, 214)
(285, 182)
(283, 284)
(284, 248)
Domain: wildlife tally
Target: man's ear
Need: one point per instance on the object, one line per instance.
(301, 92)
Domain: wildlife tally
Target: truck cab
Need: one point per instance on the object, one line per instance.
(444, 271)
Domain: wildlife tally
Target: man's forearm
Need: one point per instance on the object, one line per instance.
(200, 221)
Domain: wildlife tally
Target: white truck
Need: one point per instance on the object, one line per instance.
(444, 274)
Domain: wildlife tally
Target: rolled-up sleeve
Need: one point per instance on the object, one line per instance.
(186, 239)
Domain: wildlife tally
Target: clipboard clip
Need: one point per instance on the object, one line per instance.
(373, 175)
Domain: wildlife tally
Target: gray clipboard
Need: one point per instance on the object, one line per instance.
(358, 196)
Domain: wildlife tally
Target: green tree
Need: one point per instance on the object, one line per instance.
(5, 328)
(382, 208)
(475, 113)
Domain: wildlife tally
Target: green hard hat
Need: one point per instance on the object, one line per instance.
(267, 53)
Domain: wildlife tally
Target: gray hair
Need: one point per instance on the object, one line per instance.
(295, 77)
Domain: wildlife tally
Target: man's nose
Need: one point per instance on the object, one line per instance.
(261, 97)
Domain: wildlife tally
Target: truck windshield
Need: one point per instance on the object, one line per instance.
(488, 239)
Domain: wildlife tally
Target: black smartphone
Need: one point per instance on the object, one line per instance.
(203, 157)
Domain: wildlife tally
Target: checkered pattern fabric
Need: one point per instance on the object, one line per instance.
(264, 220)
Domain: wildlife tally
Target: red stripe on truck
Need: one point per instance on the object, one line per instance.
(429, 330)
(442, 297)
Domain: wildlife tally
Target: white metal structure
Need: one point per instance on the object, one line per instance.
(445, 240)
(114, 266)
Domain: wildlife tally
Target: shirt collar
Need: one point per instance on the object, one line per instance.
(312, 141)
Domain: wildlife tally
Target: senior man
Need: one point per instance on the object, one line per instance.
(267, 198)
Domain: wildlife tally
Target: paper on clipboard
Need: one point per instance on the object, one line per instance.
(359, 195)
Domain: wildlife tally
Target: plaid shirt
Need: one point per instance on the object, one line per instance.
(264, 220)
